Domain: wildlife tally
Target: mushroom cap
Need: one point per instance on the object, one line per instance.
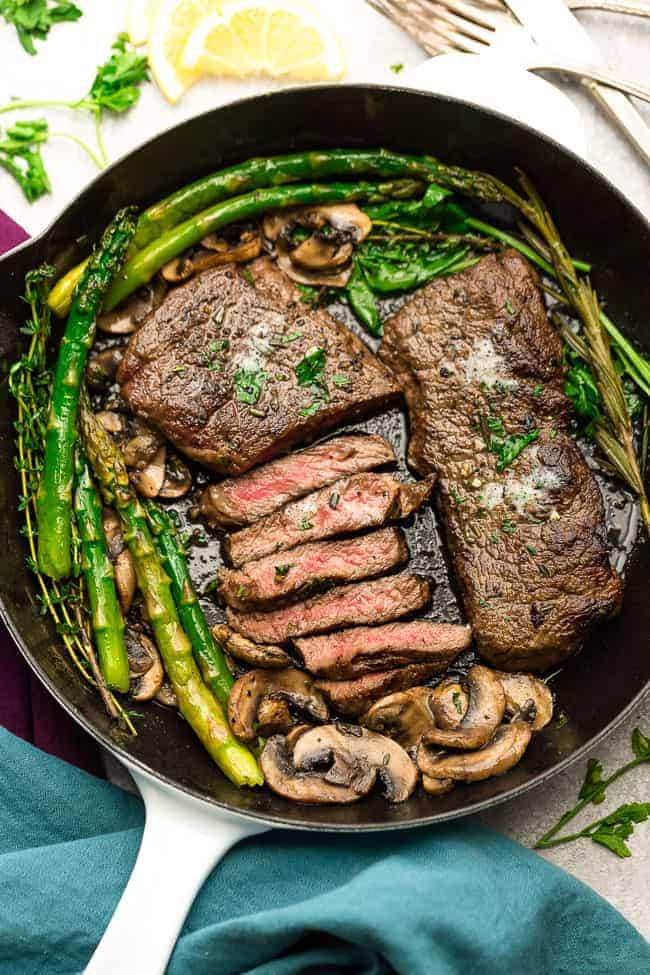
(148, 480)
(178, 479)
(121, 558)
(267, 656)
(145, 666)
(449, 703)
(525, 693)
(437, 787)
(487, 704)
(497, 757)
(356, 757)
(215, 251)
(290, 685)
(102, 367)
(404, 716)
(281, 776)
(131, 313)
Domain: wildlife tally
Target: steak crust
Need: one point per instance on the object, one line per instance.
(188, 370)
(528, 543)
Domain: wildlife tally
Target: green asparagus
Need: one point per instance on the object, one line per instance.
(55, 489)
(196, 703)
(209, 655)
(106, 617)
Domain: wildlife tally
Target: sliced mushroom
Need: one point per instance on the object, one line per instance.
(147, 674)
(102, 368)
(275, 718)
(449, 704)
(282, 777)
(487, 704)
(404, 716)
(148, 481)
(121, 558)
(132, 313)
(324, 256)
(497, 757)
(437, 787)
(113, 423)
(214, 252)
(290, 685)
(167, 695)
(254, 654)
(178, 479)
(527, 695)
(141, 448)
(355, 757)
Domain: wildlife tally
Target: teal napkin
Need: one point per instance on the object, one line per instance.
(435, 901)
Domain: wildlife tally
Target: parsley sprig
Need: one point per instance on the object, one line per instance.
(115, 88)
(616, 828)
(20, 155)
(33, 19)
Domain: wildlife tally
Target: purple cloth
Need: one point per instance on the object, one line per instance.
(26, 708)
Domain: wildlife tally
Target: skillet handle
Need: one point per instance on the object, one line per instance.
(183, 840)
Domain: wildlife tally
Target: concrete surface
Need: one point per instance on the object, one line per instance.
(627, 42)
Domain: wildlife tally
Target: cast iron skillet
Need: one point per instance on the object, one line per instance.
(599, 686)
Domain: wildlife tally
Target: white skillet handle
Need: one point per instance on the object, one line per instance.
(183, 840)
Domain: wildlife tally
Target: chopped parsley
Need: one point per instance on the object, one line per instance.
(397, 68)
(248, 385)
(494, 537)
(340, 379)
(309, 370)
(544, 571)
(312, 409)
(247, 274)
(510, 308)
(507, 448)
(458, 704)
(309, 295)
(305, 524)
(531, 549)
(179, 369)
(508, 527)
(538, 389)
(456, 496)
(218, 345)
(282, 570)
(553, 434)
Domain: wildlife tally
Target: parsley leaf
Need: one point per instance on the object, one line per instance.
(20, 155)
(592, 787)
(116, 86)
(248, 385)
(580, 386)
(309, 370)
(33, 19)
(507, 448)
(396, 68)
(616, 828)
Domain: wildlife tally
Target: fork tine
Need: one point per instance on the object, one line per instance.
(450, 32)
(474, 13)
(469, 28)
(421, 33)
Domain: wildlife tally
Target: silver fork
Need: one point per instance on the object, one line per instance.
(460, 25)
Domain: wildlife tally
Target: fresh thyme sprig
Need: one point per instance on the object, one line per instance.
(29, 384)
(614, 829)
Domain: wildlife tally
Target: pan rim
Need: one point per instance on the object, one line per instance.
(101, 737)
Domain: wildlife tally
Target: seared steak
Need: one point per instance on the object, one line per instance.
(481, 366)
(352, 504)
(352, 697)
(310, 568)
(369, 648)
(378, 601)
(214, 368)
(243, 500)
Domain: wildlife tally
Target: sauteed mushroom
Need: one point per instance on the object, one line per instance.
(167, 695)
(290, 685)
(214, 251)
(103, 366)
(404, 716)
(121, 558)
(149, 480)
(337, 763)
(527, 694)
(112, 422)
(449, 703)
(254, 654)
(147, 674)
(497, 757)
(324, 256)
(132, 313)
(178, 479)
(484, 713)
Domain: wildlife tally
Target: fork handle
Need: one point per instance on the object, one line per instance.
(621, 111)
(601, 76)
(635, 8)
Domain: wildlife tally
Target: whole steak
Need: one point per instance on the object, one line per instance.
(481, 368)
(214, 369)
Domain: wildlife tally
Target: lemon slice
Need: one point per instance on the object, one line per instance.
(173, 23)
(285, 39)
(139, 18)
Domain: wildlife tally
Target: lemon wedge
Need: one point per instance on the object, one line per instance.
(139, 19)
(286, 39)
(173, 23)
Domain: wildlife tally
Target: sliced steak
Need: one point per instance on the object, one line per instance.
(349, 505)
(479, 363)
(243, 500)
(214, 368)
(311, 568)
(352, 697)
(378, 601)
(370, 648)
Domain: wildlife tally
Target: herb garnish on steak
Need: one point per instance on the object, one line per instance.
(481, 369)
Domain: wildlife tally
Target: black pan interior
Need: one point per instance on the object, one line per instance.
(594, 689)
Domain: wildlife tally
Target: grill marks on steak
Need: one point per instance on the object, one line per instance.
(350, 505)
(243, 500)
(528, 545)
(375, 648)
(352, 697)
(309, 568)
(182, 369)
(378, 601)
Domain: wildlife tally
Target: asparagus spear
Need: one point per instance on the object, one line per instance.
(198, 706)
(55, 489)
(106, 617)
(141, 268)
(209, 655)
(255, 174)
